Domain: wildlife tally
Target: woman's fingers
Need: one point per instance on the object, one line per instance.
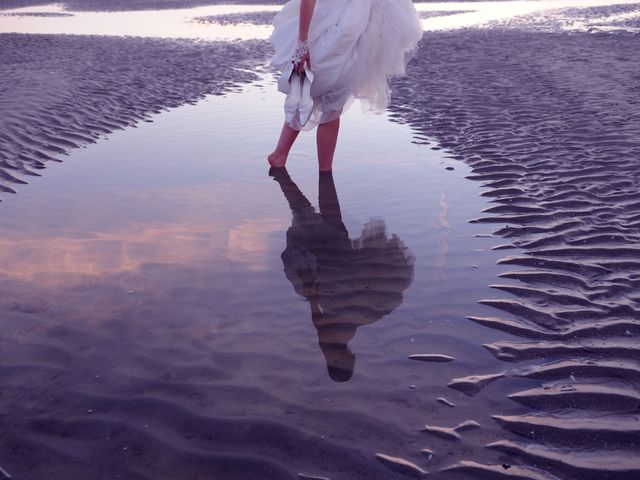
(305, 60)
(300, 66)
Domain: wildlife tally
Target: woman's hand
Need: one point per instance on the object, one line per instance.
(301, 57)
(305, 60)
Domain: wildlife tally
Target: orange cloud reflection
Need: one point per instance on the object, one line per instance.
(33, 259)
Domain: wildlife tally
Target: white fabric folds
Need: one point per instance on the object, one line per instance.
(355, 45)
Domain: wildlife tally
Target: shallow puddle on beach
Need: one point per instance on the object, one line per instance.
(158, 301)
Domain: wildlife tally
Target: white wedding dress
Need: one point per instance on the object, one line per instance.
(355, 47)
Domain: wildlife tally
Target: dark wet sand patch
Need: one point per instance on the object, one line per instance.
(442, 13)
(590, 18)
(255, 18)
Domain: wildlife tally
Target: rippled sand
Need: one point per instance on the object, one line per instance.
(66, 91)
(550, 124)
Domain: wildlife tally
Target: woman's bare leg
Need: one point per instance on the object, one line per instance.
(327, 138)
(287, 137)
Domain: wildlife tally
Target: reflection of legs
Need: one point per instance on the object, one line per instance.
(327, 138)
(297, 201)
(287, 137)
(328, 200)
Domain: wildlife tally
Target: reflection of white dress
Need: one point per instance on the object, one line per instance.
(355, 45)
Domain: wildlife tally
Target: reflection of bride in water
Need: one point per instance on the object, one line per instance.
(348, 283)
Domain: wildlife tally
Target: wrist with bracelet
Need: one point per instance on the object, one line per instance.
(301, 49)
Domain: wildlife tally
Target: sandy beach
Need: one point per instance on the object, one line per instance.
(460, 300)
(64, 91)
(550, 123)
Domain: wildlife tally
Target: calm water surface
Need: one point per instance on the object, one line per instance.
(165, 263)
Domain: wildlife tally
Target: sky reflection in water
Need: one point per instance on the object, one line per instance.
(176, 224)
(347, 283)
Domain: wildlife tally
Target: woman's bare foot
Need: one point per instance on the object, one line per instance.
(277, 159)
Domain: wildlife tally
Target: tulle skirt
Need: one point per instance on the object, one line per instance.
(355, 45)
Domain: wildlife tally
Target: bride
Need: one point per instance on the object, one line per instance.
(331, 52)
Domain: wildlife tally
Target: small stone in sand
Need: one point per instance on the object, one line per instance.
(427, 453)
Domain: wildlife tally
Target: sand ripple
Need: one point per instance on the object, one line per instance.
(61, 92)
(550, 124)
(618, 18)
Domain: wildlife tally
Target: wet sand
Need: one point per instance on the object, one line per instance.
(623, 18)
(550, 124)
(62, 92)
(169, 309)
